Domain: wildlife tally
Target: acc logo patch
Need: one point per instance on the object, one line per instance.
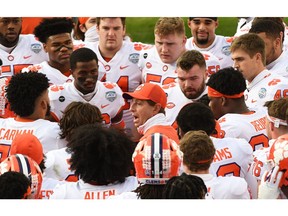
(262, 93)
(36, 48)
(111, 96)
(134, 58)
(226, 50)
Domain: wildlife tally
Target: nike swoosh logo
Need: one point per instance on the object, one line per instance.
(123, 67)
(253, 101)
(26, 57)
(103, 106)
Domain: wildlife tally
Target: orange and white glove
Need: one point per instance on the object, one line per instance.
(269, 186)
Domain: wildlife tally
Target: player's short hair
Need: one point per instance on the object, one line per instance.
(278, 108)
(185, 187)
(272, 27)
(189, 59)
(99, 154)
(14, 185)
(23, 91)
(78, 113)
(123, 20)
(228, 81)
(169, 25)
(53, 26)
(198, 150)
(82, 55)
(196, 116)
(250, 43)
(212, 18)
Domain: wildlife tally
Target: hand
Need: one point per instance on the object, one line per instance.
(269, 186)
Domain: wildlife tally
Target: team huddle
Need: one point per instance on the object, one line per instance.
(88, 113)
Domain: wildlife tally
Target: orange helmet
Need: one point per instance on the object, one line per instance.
(156, 159)
(279, 156)
(26, 165)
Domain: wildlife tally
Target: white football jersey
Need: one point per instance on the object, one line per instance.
(47, 132)
(243, 26)
(154, 70)
(81, 190)
(232, 157)
(230, 187)
(212, 63)
(175, 101)
(108, 98)
(125, 195)
(28, 51)
(48, 185)
(54, 75)
(259, 164)
(122, 69)
(249, 126)
(265, 86)
(220, 48)
(58, 166)
(280, 65)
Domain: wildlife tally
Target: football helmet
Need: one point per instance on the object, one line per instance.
(26, 165)
(278, 155)
(156, 159)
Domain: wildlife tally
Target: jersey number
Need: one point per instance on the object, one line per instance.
(15, 68)
(157, 79)
(259, 141)
(232, 168)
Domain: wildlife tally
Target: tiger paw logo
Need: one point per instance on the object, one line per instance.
(109, 85)
(56, 88)
(170, 105)
(138, 46)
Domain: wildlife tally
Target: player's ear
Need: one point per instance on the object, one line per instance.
(216, 24)
(271, 126)
(156, 108)
(45, 47)
(224, 101)
(43, 104)
(83, 28)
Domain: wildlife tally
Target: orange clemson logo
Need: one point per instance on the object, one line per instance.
(109, 85)
(56, 88)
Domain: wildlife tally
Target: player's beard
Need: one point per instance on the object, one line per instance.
(9, 43)
(196, 93)
(202, 41)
